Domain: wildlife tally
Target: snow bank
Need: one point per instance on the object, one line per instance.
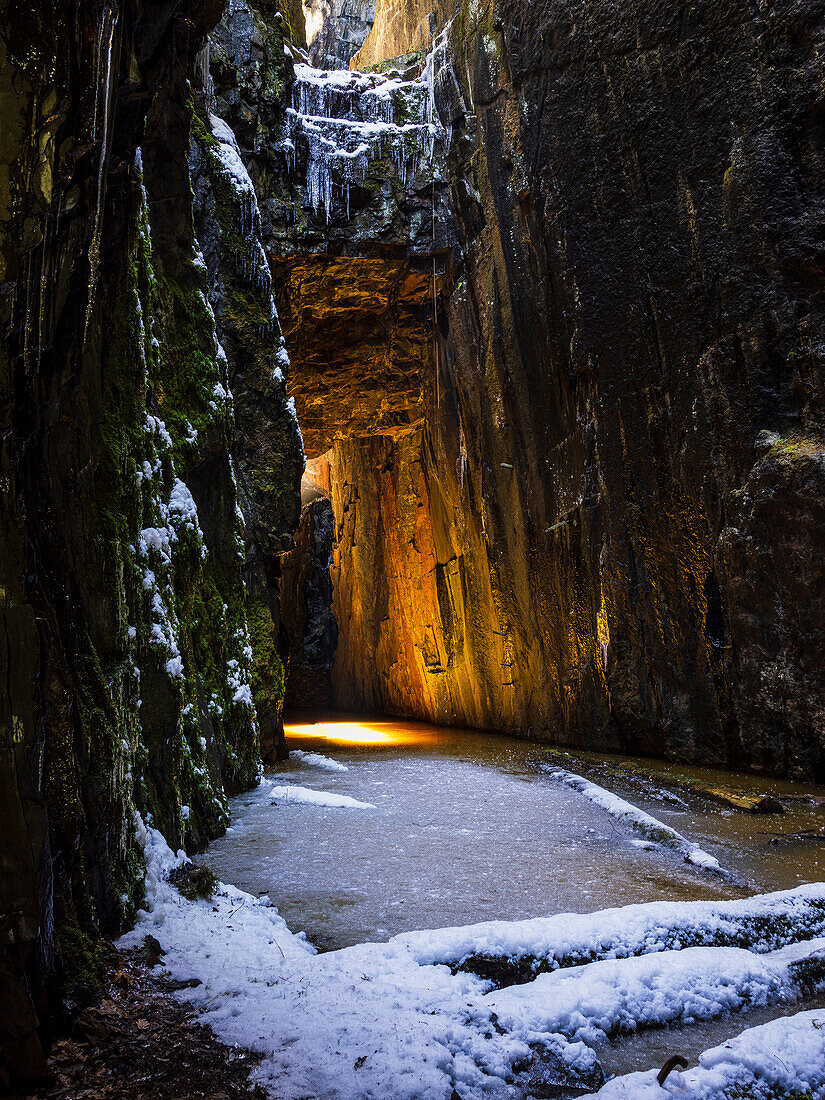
(364, 1022)
(762, 923)
(316, 760)
(375, 1022)
(606, 998)
(786, 1054)
(289, 792)
(650, 827)
(190, 930)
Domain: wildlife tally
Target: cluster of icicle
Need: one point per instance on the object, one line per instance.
(351, 119)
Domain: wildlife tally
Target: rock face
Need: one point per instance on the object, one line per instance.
(604, 528)
(339, 29)
(358, 328)
(307, 608)
(553, 297)
(139, 600)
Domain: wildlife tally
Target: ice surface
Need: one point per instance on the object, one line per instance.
(375, 1021)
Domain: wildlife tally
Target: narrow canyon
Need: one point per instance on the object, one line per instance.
(404, 369)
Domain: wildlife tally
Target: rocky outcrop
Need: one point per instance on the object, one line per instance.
(135, 602)
(307, 609)
(400, 27)
(358, 337)
(560, 342)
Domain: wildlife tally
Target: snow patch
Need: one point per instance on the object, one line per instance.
(788, 1054)
(316, 760)
(376, 1021)
(637, 819)
(290, 792)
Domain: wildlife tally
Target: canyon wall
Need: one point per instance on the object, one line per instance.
(606, 526)
(558, 348)
(336, 30)
(142, 517)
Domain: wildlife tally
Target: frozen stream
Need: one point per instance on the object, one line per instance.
(466, 827)
(463, 827)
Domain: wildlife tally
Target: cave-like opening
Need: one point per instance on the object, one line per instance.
(359, 337)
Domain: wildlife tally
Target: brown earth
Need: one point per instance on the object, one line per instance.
(139, 1042)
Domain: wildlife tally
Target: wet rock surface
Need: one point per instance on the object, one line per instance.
(130, 668)
(307, 609)
(340, 28)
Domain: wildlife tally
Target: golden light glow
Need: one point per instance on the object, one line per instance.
(359, 733)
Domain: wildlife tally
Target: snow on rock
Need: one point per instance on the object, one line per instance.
(787, 1054)
(316, 760)
(612, 996)
(290, 792)
(762, 923)
(254, 265)
(183, 512)
(650, 827)
(237, 679)
(351, 119)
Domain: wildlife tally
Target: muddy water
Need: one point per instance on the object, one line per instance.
(467, 827)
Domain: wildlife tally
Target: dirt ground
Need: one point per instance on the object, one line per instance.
(140, 1043)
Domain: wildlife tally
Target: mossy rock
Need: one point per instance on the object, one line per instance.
(83, 959)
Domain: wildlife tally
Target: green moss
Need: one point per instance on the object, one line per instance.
(83, 963)
(200, 129)
(267, 666)
(797, 449)
(194, 881)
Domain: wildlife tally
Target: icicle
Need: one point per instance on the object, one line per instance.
(350, 120)
(105, 95)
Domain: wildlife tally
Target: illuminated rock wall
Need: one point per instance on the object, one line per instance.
(607, 528)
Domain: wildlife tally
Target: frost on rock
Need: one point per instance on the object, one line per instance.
(252, 262)
(350, 120)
